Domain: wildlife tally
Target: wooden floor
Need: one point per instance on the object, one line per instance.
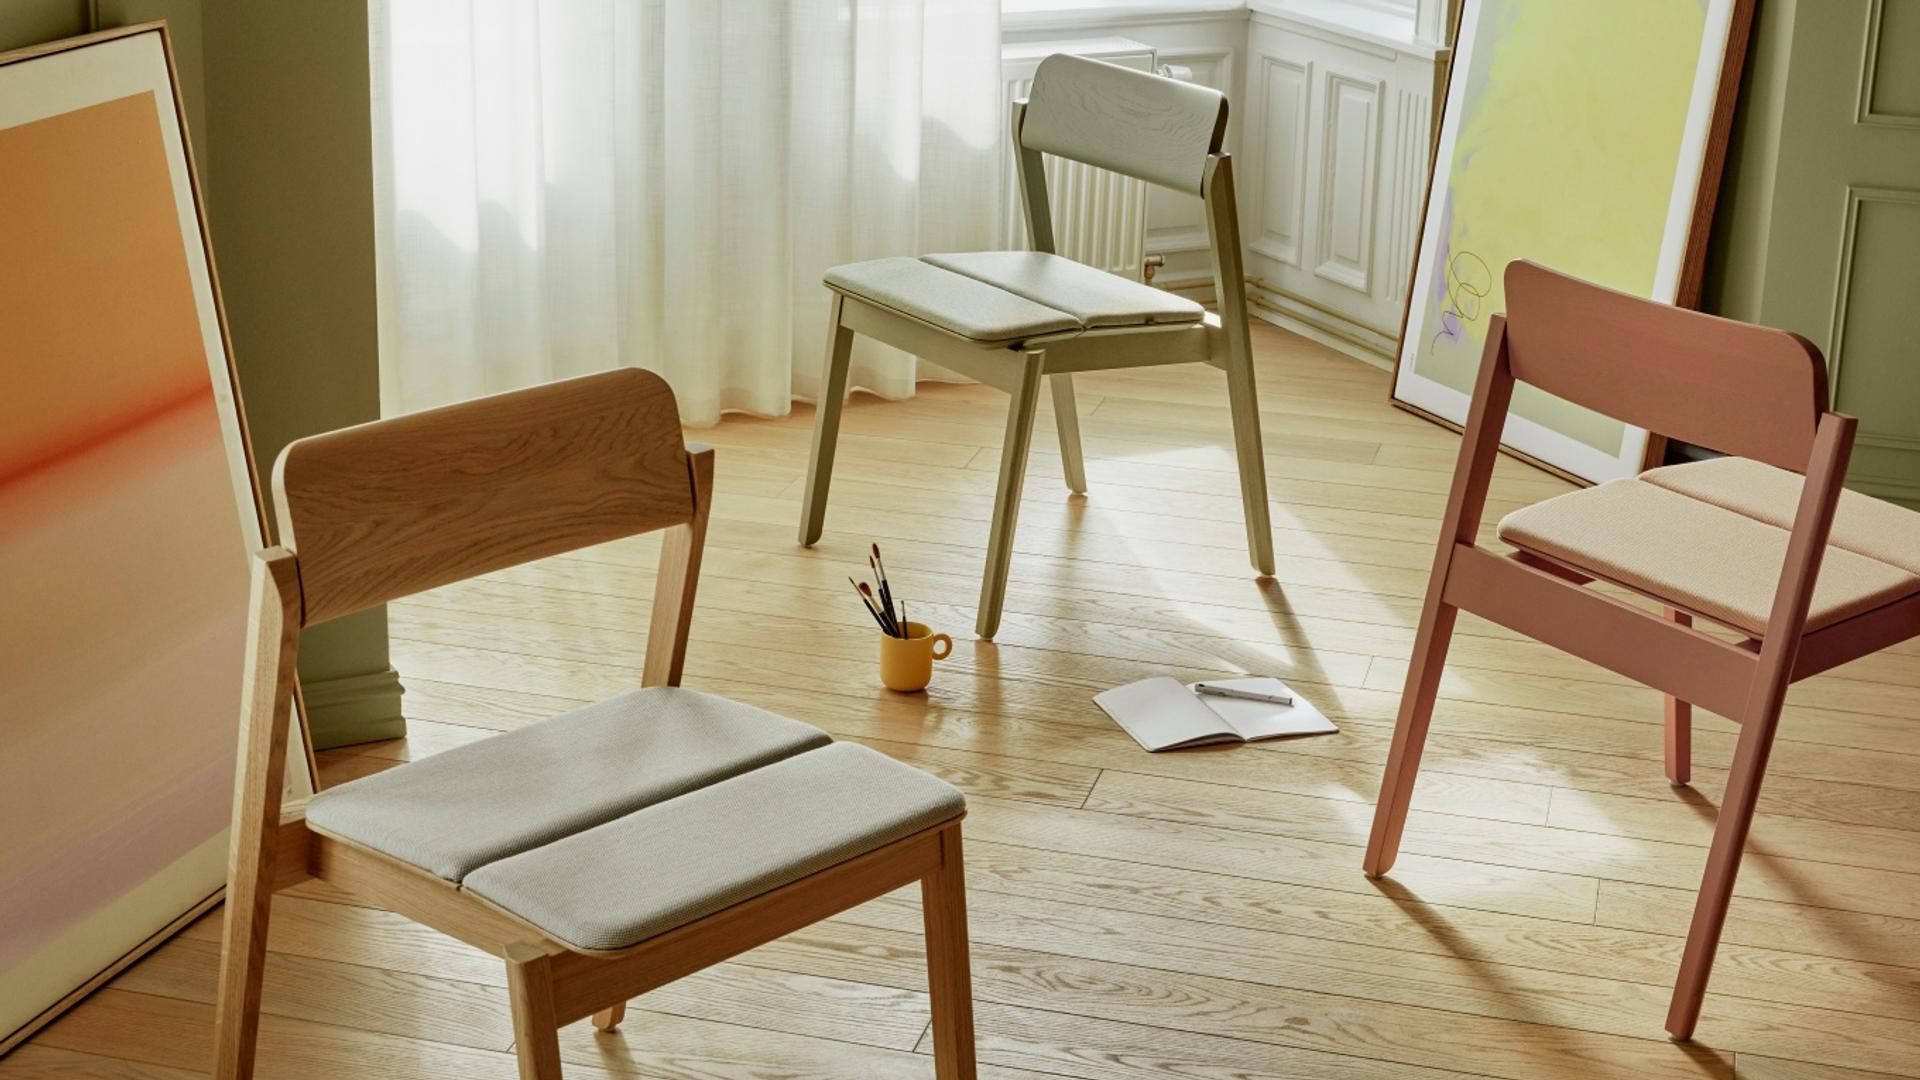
(1191, 916)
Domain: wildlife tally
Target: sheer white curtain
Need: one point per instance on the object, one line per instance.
(565, 186)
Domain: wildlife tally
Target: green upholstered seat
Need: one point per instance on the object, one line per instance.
(948, 301)
(1092, 297)
(1006, 297)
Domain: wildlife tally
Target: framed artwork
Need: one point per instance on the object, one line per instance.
(129, 510)
(1585, 136)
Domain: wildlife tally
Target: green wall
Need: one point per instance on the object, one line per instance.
(1818, 229)
(277, 101)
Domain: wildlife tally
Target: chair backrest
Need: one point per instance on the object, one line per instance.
(1727, 385)
(397, 506)
(1145, 126)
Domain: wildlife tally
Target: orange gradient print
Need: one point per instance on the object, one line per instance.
(123, 577)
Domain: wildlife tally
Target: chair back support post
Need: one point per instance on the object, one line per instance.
(1223, 236)
(1826, 472)
(678, 578)
(1146, 126)
(1030, 167)
(266, 710)
(1740, 389)
(1479, 445)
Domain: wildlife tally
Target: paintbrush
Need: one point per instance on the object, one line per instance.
(885, 616)
(880, 573)
(871, 610)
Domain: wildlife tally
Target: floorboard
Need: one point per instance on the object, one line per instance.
(1191, 916)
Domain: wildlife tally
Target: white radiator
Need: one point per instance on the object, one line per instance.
(1099, 217)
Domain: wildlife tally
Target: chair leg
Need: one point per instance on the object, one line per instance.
(536, 1032)
(1251, 457)
(1410, 732)
(1006, 501)
(826, 425)
(943, 900)
(243, 956)
(1066, 418)
(1723, 866)
(609, 1018)
(1679, 724)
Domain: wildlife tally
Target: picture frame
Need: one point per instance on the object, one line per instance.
(1634, 123)
(130, 509)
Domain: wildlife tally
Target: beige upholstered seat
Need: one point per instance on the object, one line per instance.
(1003, 297)
(625, 819)
(1710, 538)
(1861, 524)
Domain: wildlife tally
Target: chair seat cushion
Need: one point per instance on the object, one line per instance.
(458, 810)
(671, 863)
(952, 302)
(1006, 297)
(1695, 555)
(1092, 296)
(1862, 524)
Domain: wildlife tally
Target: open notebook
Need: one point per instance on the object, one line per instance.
(1162, 714)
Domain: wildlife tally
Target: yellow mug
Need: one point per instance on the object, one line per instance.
(906, 664)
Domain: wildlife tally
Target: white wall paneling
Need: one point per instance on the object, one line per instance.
(1337, 147)
(1274, 217)
(1330, 122)
(1349, 138)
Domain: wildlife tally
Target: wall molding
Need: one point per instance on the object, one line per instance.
(351, 709)
(1283, 191)
(1857, 196)
(1412, 157)
(1865, 112)
(1341, 90)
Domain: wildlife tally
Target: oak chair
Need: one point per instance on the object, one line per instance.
(1013, 318)
(599, 854)
(1806, 575)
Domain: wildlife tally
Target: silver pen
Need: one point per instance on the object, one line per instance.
(1213, 690)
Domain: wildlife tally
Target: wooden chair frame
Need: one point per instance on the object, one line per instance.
(1547, 601)
(555, 451)
(1019, 366)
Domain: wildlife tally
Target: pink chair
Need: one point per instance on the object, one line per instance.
(1812, 576)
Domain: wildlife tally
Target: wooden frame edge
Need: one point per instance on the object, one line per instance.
(39, 51)
(1699, 230)
(14, 1039)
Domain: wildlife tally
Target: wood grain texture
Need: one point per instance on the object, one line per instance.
(1143, 916)
(536, 1034)
(273, 634)
(681, 550)
(396, 506)
(1738, 389)
(1145, 126)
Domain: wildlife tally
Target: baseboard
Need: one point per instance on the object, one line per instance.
(1341, 335)
(1337, 334)
(353, 709)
